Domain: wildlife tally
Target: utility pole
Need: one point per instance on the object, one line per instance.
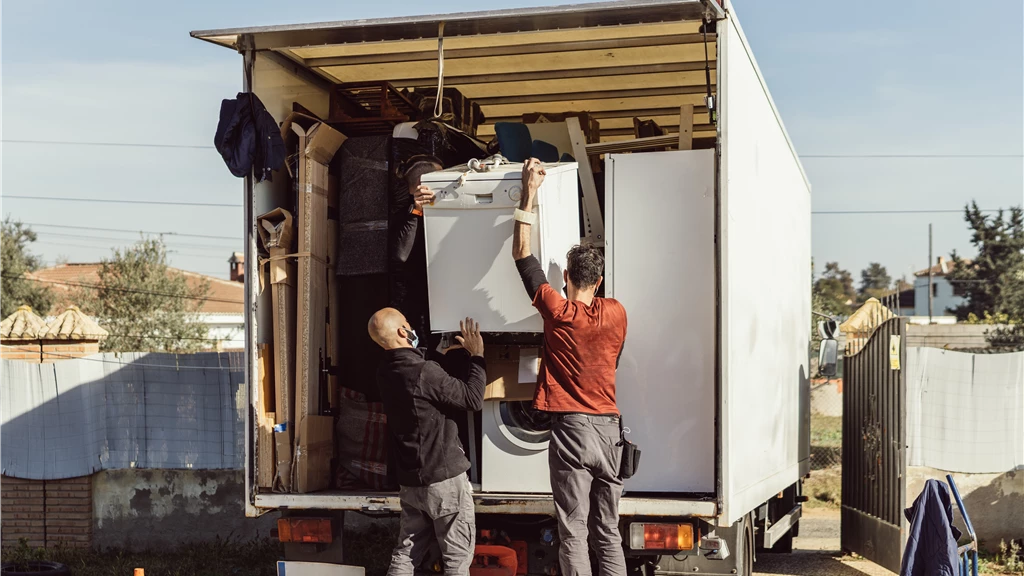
(931, 289)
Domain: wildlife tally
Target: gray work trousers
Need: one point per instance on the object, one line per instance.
(438, 516)
(584, 460)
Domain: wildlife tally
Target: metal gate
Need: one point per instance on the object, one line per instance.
(874, 445)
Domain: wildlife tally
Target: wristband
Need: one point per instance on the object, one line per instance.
(414, 210)
(525, 217)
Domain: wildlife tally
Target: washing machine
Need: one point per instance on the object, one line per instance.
(514, 455)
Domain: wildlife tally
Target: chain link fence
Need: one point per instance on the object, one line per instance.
(826, 424)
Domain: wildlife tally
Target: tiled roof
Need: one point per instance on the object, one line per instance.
(22, 325)
(937, 269)
(72, 325)
(224, 296)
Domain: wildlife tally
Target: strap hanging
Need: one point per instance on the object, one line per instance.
(709, 100)
(438, 103)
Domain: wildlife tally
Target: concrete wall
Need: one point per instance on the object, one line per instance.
(140, 509)
(994, 502)
(948, 336)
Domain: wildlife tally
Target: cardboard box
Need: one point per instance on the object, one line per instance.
(265, 463)
(317, 144)
(276, 233)
(314, 450)
(511, 373)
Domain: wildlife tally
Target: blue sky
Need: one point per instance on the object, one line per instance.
(871, 77)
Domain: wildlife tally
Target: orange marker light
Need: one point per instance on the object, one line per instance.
(660, 536)
(308, 530)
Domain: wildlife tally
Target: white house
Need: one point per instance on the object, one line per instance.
(943, 298)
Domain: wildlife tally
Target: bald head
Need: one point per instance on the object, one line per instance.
(389, 329)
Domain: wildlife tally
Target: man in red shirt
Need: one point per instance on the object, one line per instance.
(583, 338)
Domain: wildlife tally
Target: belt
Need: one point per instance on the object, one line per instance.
(593, 417)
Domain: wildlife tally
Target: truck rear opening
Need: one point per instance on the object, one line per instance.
(665, 93)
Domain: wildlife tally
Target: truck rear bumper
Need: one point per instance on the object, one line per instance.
(487, 503)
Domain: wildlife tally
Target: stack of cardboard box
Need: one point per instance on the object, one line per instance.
(301, 356)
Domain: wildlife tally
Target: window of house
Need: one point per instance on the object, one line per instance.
(935, 289)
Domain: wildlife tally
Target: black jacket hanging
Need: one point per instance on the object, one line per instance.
(248, 138)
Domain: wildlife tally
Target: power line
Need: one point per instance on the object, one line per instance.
(868, 156)
(125, 290)
(108, 239)
(85, 246)
(841, 212)
(167, 337)
(112, 201)
(131, 231)
(140, 364)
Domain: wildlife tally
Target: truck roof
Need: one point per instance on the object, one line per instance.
(618, 60)
(614, 13)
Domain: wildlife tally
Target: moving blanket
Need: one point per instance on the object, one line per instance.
(362, 443)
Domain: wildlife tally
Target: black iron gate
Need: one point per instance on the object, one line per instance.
(874, 445)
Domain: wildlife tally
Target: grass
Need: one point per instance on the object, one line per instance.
(824, 488)
(1007, 561)
(826, 431)
(370, 548)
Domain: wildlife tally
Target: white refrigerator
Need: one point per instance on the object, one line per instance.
(660, 264)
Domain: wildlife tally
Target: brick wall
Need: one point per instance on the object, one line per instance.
(46, 512)
(46, 351)
(54, 351)
(27, 350)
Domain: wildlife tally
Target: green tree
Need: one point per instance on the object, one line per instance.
(875, 282)
(146, 306)
(992, 282)
(834, 292)
(16, 261)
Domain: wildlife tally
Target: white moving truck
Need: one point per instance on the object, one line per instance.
(708, 248)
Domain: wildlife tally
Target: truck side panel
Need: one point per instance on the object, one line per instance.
(765, 265)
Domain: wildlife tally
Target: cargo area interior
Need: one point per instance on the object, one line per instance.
(637, 83)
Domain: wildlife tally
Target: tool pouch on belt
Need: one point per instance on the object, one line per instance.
(630, 454)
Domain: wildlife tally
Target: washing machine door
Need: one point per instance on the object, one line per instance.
(523, 426)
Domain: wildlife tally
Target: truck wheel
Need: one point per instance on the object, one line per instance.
(745, 547)
(785, 544)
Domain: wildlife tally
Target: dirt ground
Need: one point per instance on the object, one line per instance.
(816, 551)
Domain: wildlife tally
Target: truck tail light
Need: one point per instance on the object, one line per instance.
(643, 536)
(309, 530)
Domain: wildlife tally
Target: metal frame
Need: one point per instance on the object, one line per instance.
(969, 552)
(388, 503)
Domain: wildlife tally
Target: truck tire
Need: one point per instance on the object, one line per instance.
(745, 547)
(34, 568)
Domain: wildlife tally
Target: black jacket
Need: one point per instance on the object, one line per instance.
(248, 138)
(422, 402)
(931, 543)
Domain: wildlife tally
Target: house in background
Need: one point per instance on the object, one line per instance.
(943, 298)
(222, 312)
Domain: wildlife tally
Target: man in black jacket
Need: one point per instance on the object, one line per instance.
(422, 401)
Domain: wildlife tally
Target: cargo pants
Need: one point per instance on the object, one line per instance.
(436, 517)
(584, 459)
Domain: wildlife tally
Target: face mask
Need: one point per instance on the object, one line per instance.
(411, 336)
